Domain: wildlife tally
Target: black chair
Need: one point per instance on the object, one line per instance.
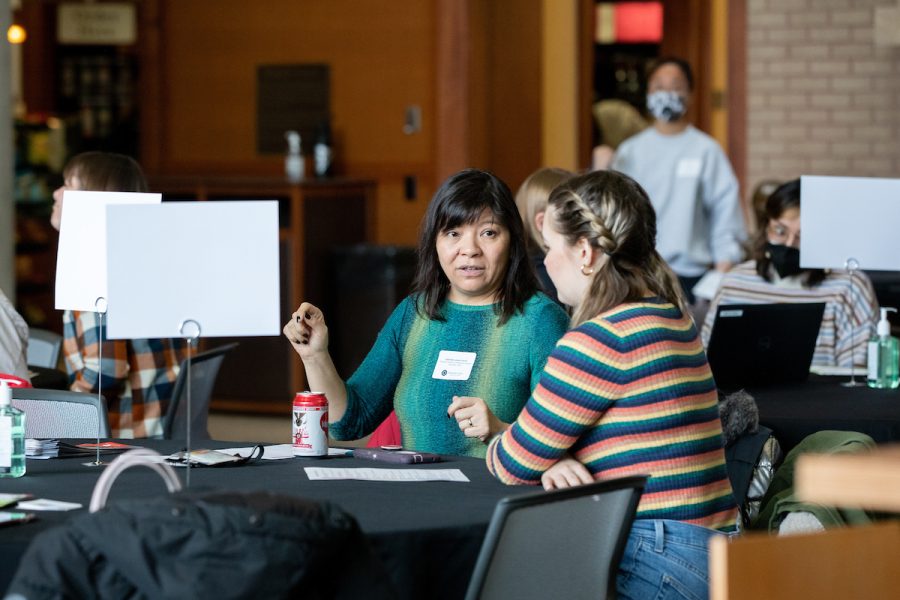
(560, 544)
(61, 414)
(204, 369)
(43, 348)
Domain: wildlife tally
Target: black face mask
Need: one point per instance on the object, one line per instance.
(785, 259)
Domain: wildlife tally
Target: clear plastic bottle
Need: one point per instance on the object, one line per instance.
(884, 356)
(12, 435)
(322, 151)
(294, 165)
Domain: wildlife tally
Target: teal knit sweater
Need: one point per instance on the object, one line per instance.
(397, 373)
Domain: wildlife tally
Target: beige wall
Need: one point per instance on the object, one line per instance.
(823, 99)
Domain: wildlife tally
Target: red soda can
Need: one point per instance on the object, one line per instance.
(310, 424)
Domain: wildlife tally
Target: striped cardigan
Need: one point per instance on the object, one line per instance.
(848, 321)
(628, 392)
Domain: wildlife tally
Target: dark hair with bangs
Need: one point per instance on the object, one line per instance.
(785, 196)
(460, 200)
(106, 172)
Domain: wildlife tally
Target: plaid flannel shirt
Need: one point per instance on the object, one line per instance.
(138, 376)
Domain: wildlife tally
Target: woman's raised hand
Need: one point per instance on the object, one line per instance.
(306, 331)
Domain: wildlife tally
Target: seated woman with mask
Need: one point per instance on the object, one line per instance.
(475, 325)
(627, 391)
(773, 275)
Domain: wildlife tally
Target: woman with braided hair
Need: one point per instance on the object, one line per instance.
(627, 391)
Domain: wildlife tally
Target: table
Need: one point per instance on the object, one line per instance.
(794, 411)
(427, 533)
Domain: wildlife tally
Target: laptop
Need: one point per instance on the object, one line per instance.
(754, 345)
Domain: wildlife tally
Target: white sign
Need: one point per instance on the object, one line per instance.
(81, 256)
(215, 263)
(844, 218)
(114, 24)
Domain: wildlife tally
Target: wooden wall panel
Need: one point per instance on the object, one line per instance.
(489, 87)
(686, 34)
(452, 83)
(514, 89)
(381, 57)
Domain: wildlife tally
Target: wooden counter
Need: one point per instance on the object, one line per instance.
(316, 216)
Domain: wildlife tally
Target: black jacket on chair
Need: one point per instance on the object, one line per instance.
(205, 545)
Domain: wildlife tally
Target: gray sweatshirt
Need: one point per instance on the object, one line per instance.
(694, 192)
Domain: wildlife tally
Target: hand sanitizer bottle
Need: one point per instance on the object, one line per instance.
(884, 356)
(12, 435)
(294, 166)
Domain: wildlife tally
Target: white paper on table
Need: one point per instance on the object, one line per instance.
(47, 504)
(280, 451)
(850, 217)
(708, 285)
(213, 262)
(369, 474)
(837, 370)
(81, 257)
(10, 499)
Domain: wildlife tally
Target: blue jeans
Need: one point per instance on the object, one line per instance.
(665, 559)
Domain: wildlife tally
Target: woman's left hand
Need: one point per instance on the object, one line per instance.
(474, 418)
(568, 472)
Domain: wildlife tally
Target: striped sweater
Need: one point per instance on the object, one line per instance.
(628, 392)
(848, 321)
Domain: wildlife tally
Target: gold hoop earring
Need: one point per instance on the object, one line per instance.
(587, 271)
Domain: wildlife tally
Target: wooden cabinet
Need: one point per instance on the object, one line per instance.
(316, 217)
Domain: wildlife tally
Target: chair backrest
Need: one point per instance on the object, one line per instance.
(43, 348)
(849, 562)
(204, 369)
(561, 544)
(61, 414)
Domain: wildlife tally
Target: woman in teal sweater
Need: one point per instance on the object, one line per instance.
(474, 327)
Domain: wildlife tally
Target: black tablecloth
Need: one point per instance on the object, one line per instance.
(427, 533)
(797, 410)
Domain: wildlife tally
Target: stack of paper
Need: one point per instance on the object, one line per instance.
(53, 448)
(35, 448)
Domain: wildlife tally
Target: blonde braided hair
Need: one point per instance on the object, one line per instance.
(613, 213)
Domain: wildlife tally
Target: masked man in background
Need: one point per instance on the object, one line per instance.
(688, 178)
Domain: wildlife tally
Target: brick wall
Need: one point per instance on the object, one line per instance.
(823, 99)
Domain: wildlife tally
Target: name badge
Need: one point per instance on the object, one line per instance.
(455, 366)
(689, 167)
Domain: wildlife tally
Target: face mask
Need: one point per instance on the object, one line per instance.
(665, 106)
(785, 259)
